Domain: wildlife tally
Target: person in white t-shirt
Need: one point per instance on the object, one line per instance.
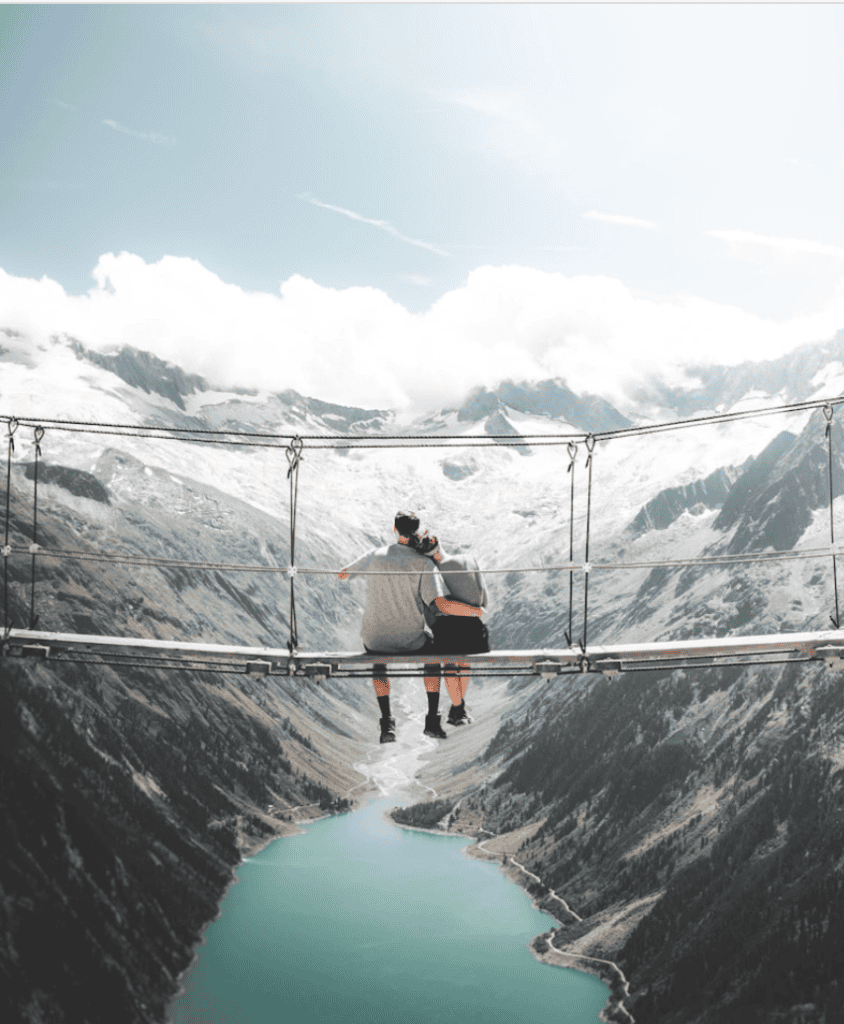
(401, 584)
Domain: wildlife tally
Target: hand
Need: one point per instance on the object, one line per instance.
(342, 575)
(427, 544)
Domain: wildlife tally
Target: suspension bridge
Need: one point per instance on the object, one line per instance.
(579, 657)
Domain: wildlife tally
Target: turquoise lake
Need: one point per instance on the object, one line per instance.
(360, 921)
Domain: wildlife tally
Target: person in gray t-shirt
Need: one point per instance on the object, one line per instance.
(462, 576)
(401, 585)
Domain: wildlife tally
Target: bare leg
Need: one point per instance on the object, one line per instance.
(432, 684)
(452, 684)
(463, 680)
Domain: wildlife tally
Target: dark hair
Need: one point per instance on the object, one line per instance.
(407, 523)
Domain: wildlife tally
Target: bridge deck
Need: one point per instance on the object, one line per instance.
(609, 659)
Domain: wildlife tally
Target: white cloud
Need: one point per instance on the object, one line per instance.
(65, 106)
(159, 140)
(782, 246)
(622, 219)
(383, 225)
(358, 347)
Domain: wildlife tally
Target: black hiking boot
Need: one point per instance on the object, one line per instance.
(458, 714)
(433, 727)
(388, 730)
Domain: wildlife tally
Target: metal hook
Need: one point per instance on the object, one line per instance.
(39, 437)
(572, 450)
(828, 411)
(12, 426)
(294, 454)
(590, 447)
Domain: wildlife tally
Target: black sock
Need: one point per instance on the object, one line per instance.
(384, 704)
(433, 702)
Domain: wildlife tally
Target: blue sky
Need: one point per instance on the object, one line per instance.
(683, 154)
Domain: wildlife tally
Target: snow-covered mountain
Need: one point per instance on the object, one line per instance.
(707, 752)
(510, 504)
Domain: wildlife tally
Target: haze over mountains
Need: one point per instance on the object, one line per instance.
(694, 820)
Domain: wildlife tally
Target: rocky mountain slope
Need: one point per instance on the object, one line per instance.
(691, 819)
(694, 820)
(128, 794)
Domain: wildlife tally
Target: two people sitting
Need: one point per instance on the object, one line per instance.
(421, 601)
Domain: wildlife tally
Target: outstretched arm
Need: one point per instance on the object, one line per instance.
(449, 607)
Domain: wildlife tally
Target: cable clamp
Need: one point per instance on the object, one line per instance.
(586, 567)
(292, 571)
(258, 668)
(6, 550)
(294, 455)
(35, 548)
(827, 411)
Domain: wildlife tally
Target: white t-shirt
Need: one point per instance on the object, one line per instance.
(394, 619)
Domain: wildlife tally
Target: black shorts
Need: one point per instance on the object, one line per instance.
(458, 634)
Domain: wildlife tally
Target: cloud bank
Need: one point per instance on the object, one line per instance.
(357, 346)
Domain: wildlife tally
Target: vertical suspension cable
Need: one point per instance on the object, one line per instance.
(294, 457)
(572, 450)
(590, 448)
(827, 411)
(39, 434)
(11, 426)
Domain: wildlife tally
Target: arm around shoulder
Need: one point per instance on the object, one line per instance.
(450, 607)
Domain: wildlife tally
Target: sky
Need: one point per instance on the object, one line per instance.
(386, 205)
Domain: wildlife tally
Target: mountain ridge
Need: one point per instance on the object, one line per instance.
(602, 774)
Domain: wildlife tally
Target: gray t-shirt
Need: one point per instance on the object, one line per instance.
(394, 619)
(467, 587)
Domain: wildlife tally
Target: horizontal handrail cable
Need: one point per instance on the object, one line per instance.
(153, 561)
(258, 439)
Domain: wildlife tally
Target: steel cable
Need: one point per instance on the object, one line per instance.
(828, 413)
(294, 457)
(590, 448)
(197, 434)
(152, 562)
(572, 450)
(11, 427)
(38, 437)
